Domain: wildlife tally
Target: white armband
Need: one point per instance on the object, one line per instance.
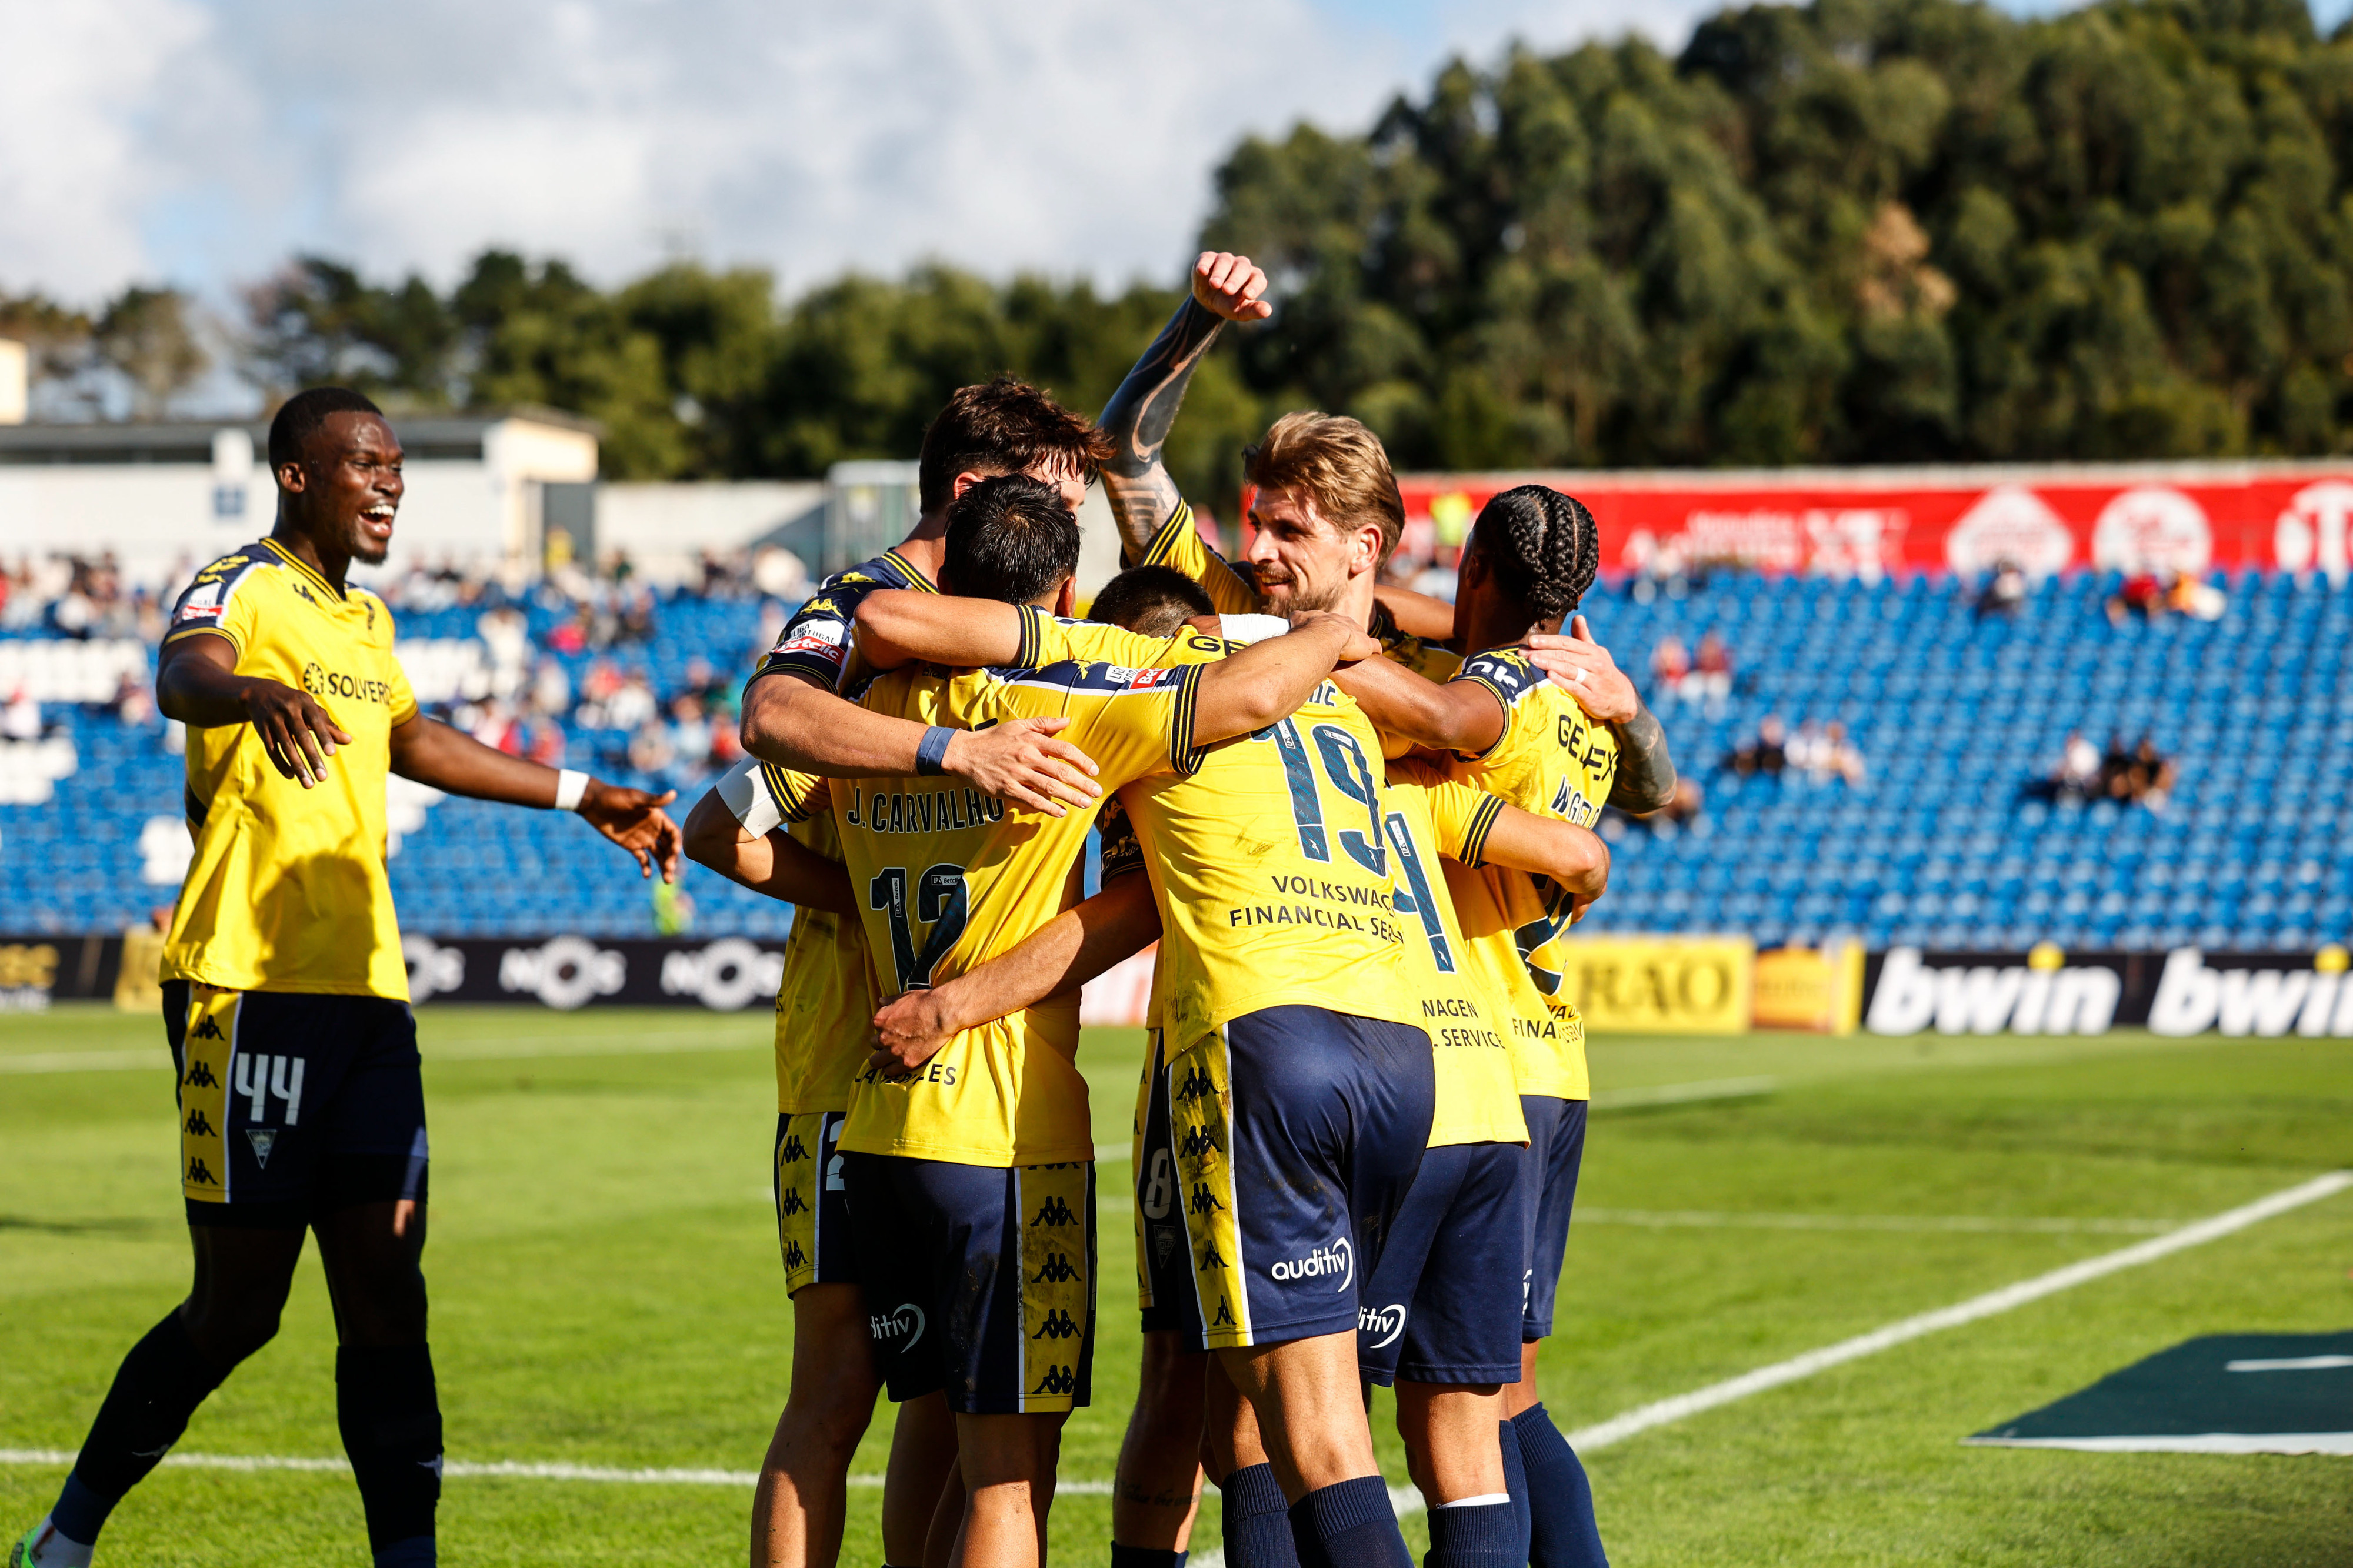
(571, 783)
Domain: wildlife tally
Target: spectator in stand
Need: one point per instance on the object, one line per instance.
(2200, 600)
(2146, 777)
(1768, 754)
(649, 748)
(1670, 664)
(2142, 594)
(133, 704)
(2077, 776)
(2115, 770)
(1823, 753)
(1711, 676)
(2005, 592)
(551, 689)
(689, 730)
(632, 704)
(1842, 757)
(1683, 809)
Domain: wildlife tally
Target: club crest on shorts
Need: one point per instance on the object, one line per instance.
(263, 1140)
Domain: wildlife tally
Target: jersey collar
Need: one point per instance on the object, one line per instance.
(304, 567)
(915, 578)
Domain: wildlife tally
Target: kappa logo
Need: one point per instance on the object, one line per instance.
(1386, 1322)
(1059, 1325)
(1210, 1259)
(795, 1258)
(200, 1076)
(1054, 1211)
(1058, 1380)
(1337, 1259)
(900, 1328)
(263, 1140)
(202, 1174)
(1225, 1318)
(1203, 1200)
(1055, 1270)
(792, 1204)
(1197, 1086)
(1198, 1140)
(794, 1152)
(199, 1126)
(207, 1029)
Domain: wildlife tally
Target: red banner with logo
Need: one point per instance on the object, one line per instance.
(1868, 522)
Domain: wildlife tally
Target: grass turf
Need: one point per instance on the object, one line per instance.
(605, 1291)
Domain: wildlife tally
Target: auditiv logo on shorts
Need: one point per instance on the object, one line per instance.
(899, 1328)
(1381, 1324)
(1337, 1261)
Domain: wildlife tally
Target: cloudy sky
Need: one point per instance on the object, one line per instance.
(201, 140)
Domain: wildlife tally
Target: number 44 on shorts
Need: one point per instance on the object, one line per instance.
(260, 1076)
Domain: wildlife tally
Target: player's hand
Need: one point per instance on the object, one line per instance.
(1229, 286)
(1583, 668)
(296, 732)
(1357, 644)
(636, 821)
(908, 1032)
(1019, 762)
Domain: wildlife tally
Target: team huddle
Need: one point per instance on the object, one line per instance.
(1356, 824)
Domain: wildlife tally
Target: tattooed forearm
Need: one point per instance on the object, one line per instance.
(1646, 775)
(1138, 419)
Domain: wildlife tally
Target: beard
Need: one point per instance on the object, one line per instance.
(361, 547)
(1294, 597)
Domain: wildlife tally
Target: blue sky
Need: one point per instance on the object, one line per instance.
(201, 142)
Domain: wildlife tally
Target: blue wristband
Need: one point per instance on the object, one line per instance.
(932, 752)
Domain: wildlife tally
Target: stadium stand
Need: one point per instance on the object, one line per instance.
(1943, 842)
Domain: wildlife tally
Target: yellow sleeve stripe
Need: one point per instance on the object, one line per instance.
(178, 632)
(1482, 821)
(1501, 695)
(1164, 543)
(1183, 755)
(790, 790)
(1033, 624)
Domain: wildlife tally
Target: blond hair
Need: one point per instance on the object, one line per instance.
(1339, 465)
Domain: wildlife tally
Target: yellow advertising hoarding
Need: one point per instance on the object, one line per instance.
(1811, 988)
(1662, 985)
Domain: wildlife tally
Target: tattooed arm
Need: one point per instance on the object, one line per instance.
(1143, 410)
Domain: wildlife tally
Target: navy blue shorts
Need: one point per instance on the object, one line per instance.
(293, 1105)
(1555, 1147)
(978, 1279)
(1296, 1132)
(1164, 1262)
(1440, 1307)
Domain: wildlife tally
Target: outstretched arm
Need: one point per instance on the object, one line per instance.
(1225, 288)
(433, 754)
(1460, 716)
(1583, 668)
(773, 863)
(1268, 680)
(796, 723)
(1060, 956)
(1573, 856)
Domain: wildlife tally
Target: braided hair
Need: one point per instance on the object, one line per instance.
(1542, 545)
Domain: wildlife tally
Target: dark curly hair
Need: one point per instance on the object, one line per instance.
(1542, 546)
(1005, 426)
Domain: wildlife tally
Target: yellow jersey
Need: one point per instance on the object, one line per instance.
(1431, 819)
(1556, 761)
(825, 998)
(948, 879)
(287, 891)
(1180, 547)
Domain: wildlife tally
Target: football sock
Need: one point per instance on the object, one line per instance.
(391, 1422)
(1145, 1557)
(1515, 1481)
(1562, 1533)
(159, 1386)
(51, 1549)
(1349, 1525)
(1257, 1519)
(1476, 1532)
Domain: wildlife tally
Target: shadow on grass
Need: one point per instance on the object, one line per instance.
(133, 1227)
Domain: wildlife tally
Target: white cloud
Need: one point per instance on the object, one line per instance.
(209, 139)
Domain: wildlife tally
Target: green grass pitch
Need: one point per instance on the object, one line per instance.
(605, 1291)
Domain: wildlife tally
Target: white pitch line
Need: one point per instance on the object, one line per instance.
(520, 1469)
(1710, 1219)
(1643, 1418)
